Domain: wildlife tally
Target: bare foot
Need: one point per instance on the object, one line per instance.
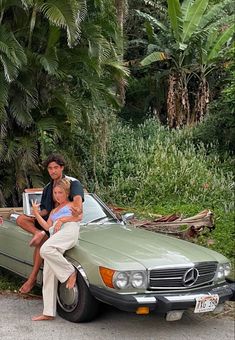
(36, 240)
(27, 286)
(42, 318)
(71, 280)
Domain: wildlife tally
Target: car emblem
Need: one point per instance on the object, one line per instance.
(190, 277)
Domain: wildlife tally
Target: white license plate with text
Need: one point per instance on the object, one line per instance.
(206, 303)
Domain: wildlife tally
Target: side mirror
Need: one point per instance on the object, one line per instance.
(127, 217)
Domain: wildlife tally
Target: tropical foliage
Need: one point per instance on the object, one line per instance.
(64, 69)
(185, 45)
(59, 64)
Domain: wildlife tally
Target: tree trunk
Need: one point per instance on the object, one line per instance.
(201, 101)
(121, 7)
(177, 101)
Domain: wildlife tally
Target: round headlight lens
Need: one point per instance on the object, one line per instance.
(137, 280)
(121, 280)
(227, 269)
(220, 272)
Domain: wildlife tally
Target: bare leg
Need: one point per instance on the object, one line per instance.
(42, 318)
(71, 280)
(27, 223)
(37, 239)
(37, 261)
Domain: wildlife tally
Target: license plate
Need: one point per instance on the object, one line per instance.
(206, 303)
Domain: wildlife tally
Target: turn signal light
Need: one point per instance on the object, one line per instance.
(107, 276)
(142, 310)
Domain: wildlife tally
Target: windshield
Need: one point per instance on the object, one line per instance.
(94, 211)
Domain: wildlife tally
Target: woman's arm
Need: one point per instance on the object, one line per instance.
(73, 218)
(45, 224)
(65, 219)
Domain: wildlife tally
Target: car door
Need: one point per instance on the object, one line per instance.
(14, 249)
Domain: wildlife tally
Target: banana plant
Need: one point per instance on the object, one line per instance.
(195, 42)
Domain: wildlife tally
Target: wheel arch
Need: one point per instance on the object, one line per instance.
(79, 268)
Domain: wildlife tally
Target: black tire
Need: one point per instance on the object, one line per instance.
(77, 304)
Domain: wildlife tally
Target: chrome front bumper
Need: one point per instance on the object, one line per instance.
(161, 302)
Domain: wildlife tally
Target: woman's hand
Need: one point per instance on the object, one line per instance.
(57, 225)
(35, 206)
(76, 211)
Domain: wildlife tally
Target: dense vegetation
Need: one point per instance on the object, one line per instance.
(138, 96)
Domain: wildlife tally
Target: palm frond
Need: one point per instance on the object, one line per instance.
(63, 15)
(4, 88)
(49, 61)
(151, 19)
(12, 55)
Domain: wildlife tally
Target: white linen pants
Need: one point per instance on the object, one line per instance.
(56, 267)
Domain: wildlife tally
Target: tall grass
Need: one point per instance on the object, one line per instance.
(153, 169)
(150, 165)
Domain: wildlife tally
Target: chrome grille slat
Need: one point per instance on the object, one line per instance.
(172, 278)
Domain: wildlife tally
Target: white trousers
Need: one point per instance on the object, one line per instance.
(56, 267)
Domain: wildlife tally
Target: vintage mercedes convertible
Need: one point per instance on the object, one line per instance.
(120, 265)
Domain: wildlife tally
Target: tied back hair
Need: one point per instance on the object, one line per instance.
(64, 183)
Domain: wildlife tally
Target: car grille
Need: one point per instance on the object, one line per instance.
(174, 278)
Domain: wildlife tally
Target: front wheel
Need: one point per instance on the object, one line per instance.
(76, 304)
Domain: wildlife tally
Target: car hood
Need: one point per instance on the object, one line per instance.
(148, 248)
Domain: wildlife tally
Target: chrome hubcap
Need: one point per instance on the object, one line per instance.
(68, 299)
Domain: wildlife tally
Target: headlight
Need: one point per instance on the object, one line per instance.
(220, 272)
(223, 271)
(138, 280)
(121, 280)
(227, 269)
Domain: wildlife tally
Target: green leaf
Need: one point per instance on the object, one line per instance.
(61, 14)
(151, 19)
(222, 40)
(49, 61)
(217, 11)
(153, 57)
(175, 15)
(185, 7)
(193, 19)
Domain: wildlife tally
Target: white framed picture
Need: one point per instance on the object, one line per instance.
(28, 196)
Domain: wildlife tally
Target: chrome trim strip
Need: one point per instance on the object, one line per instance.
(166, 278)
(185, 265)
(183, 298)
(78, 266)
(181, 287)
(145, 299)
(16, 259)
(84, 276)
(170, 266)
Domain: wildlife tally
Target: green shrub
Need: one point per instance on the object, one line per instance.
(154, 170)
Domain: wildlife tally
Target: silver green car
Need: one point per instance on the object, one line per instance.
(126, 267)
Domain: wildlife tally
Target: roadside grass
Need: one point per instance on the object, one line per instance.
(160, 171)
(11, 282)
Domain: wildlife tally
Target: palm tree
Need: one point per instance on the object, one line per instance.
(59, 63)
(191, 46)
